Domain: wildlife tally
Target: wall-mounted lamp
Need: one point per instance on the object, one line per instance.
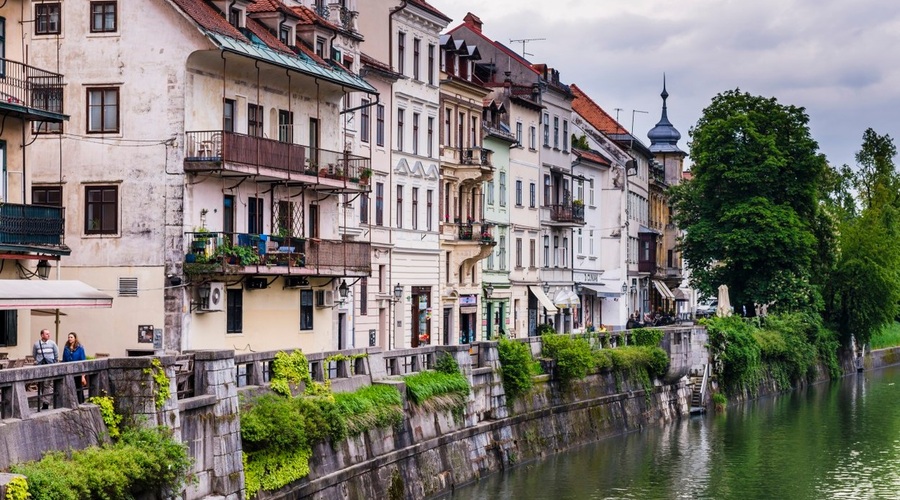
(398, 291)
(343, 290)
(43, 269)
(577, 288)
(546, 287)
(624, 287)
(631, 168)
(488, 290)
(203, 295)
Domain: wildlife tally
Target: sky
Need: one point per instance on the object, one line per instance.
(838, 59)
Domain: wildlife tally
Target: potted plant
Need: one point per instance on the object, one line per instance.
(364, 175)
(578, 203)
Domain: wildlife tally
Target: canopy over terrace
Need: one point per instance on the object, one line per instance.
(34, 294)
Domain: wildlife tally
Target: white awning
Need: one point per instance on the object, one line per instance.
(543, 299)
(603, 290)
(565, 299)
(663, 290)
(40, 294)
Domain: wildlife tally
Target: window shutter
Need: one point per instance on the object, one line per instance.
(128, 287)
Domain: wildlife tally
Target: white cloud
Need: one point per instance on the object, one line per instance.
(836, 58)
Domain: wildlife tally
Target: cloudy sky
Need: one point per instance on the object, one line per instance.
(839, 59)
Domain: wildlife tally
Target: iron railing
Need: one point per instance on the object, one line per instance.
(567, 213)
(31, 224)
(31, 87)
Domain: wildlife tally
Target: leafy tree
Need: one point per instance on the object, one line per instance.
(751, 210)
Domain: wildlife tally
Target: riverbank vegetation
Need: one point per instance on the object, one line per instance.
(140, 461)
(446, 388)
(765, 214)
(888, 336)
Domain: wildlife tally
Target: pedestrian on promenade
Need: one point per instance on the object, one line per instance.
(45, 352)
(74, 351)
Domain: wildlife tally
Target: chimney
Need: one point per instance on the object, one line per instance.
(473, 21)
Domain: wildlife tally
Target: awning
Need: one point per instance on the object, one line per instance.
(603, 290)
(663, 290)
(40, 294)
(543, 299)
(565, 299)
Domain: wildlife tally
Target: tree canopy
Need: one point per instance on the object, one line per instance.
(750, 211)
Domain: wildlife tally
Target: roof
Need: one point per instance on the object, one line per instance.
(594, 114)
(468, 24)
(422, 4)
(664, 136)
(591, 156)
(270, 6)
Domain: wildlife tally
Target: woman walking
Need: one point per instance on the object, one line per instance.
(74, 351)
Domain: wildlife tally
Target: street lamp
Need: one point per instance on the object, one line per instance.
(577, 288)
(203, 295)
(343, 290)
(43, 269)
(631, 168)
(398, 291)
(488, 290)
(546, 287)
(624, 287)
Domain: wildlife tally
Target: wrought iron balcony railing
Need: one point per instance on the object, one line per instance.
(567, 213)
(31, 224)
(26, 86)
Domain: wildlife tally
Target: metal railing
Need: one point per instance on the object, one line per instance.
(567, 213)
(231, 147)
(31, 87)
(31, 224)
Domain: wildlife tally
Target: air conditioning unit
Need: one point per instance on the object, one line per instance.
(256, 284)
(295, 281)
(324, 298)
(216, 301)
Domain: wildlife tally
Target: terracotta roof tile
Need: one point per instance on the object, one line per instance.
(592, 156)
(270, 6)
(209, 18)
(594, 114)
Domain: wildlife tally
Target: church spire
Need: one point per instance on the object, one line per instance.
(664, 137)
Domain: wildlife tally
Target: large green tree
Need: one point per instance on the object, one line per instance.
(751, 210)
(864, 291)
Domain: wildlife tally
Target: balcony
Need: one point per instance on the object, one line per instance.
(567, 214)
(211, 252)
(31, 93)
(32, 228)
(217, 150)
(473, 164)
(472, 232)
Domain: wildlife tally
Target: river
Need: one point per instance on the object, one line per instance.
(837, 440)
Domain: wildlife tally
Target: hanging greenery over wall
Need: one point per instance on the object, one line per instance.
(444, 389)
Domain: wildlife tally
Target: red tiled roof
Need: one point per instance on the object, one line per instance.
(270, 6)
(430, 8)
(592, 156)
(594, 114)
(308, 17)
(205, 15)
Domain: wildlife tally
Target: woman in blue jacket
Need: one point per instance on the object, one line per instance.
(74, 351)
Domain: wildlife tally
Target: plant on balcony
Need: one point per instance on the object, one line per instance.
(364, 175)
(486, 235)
(578, 203)
(238, 255)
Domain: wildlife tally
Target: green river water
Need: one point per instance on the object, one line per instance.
(838, 440)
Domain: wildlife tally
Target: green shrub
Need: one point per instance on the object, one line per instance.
(516, 368)
(574, 357)
(426, 385)
(647, 336)
(17, 489)
(731, 340)
(446, 363)
(143, 460)
(289, 369)
(108, 414)
(719, 401)
(545, 329)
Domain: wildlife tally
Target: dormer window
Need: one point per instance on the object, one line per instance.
(320, 47)
(236, 17)
(284, 35)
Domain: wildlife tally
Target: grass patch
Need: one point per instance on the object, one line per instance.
(369, 408)
(426, 385)
(888, 336)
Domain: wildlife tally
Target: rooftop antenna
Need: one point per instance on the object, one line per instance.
(523, 41)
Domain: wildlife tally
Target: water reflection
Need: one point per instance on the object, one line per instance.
(837, 440)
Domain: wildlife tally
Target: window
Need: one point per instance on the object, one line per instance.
(565, 252)
(47, 195)
(400, 126)
(101, 209)
(9, 326)
(236, 18)
(320, 47)
(415, 208)
(490, 192)
(306, 309)
(501, 245)
(255, 215)
(46, 19)
(399, 206)
(430, 64)
(416, 46)
(579, 190)
(565, 135)
(460, 123)
(49, 99)
(429, 209)
(532, 140)
(103, 17)
(532, 195)
(580, 243)
(474, 130)
(312, 228)
(532, 253)
(363, 296)
(364, 208)
(518, 193)
(591, 242)
(234, 310)
(490, 261)
(415, 142)
(430, 137)
(547, 200)
(103, 110)
(284, 35)
(546, 129)
(364, 120)
(518, 133)
(591, 192)
(447, 128)
(379, 125)
(2, 46)
(502, 189)
(546, 251)
(229, 108)
(285, 125)
(518, 252)
(555, 132)
(401, 53)
(255, 120)
(379, 204)
(556, 251)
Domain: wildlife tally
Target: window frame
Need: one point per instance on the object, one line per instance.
(46, 192)
(104, 17)
(401, 53)
(417, 45)
(401, 125)
(42, 97)
(307, 309)
(43, 13)
(255, 119)
(103, 106)
(379, 125)
(399, 218)
(364, 121)
(88, 210)
(234, 310)
(518, 192)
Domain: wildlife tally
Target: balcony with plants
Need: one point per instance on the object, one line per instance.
(232, 152)
(567, 214)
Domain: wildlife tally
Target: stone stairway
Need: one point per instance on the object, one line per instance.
(698, 405)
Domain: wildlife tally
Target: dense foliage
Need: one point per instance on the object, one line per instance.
(141, 461)
(445, 391)
(647, 336)
(516, 368)
(750, 210)
(576, 357)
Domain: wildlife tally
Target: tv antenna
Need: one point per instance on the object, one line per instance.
(523, 41)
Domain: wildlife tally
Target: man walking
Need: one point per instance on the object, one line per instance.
(45, 352)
